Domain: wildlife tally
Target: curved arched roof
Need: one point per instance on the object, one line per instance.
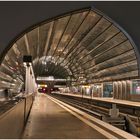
(83, 44)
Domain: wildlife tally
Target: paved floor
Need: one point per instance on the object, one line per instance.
(48, 120)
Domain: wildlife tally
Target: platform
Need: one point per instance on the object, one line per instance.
(50, 121)
(107, 99)
(51, 118)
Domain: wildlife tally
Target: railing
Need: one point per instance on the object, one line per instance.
(13, 117)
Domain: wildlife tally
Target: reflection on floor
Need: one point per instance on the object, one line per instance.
(50, 121)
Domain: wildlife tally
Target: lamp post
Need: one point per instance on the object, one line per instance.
(29, 77)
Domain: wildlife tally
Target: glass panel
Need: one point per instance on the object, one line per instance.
(116, 77)
(13, 62)
(118, 50)
(44, 36)
(94, 32)
(121, 70)
(59, 28)
(32, 38)
(4, 84)
(5, 76)
(119, 38)
(21, 46)
(5, 69)
(103, 37)
(87, 25)
(125, 75)
(130, 66)
(13, 59)
(135, 87)
(9, 61)
(110, 32)
(113, 42)
(97, 90)
(124, 58)
(73, 25)
(16, 51)
(108, 90)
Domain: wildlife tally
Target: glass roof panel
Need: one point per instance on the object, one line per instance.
(82, 44)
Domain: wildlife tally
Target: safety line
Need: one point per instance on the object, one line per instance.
(100, 130)
(75, 112)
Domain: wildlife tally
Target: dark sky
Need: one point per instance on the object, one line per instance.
(15, 17)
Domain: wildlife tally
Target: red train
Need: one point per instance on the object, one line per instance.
(48, 90)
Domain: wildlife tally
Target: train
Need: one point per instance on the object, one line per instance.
(48, 90)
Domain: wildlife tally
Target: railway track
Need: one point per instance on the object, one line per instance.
(101, 111)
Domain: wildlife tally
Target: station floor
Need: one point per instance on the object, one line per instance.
(48, 120)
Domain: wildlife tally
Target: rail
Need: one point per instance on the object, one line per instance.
(100, 110)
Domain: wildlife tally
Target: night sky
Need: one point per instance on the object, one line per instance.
(16, 17)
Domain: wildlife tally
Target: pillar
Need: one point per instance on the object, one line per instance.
(115, 92)
(124, 92)
(122, 89)
(30, 84)
(128, 89)
(27, 80)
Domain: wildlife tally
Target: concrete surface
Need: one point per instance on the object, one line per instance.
(50, 121)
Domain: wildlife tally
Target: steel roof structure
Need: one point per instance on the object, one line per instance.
(85, 45)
